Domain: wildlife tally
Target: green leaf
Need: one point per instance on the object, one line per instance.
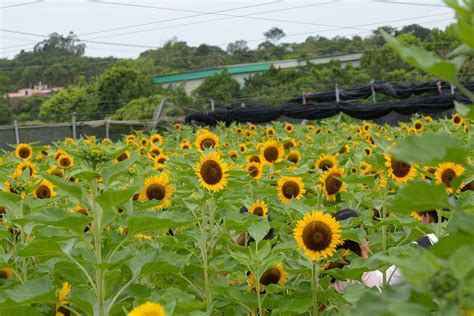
(74, 190)
(147, 222)
(9, 200)
(115, 171)
(41, 248)
(259, 230)
(428, 61)
(462, 261)
(420, 196)
(61, 218)
(87, 175)
(430, 149)
(28, 292)
(109, 199)
(352, 179)
(464, 109)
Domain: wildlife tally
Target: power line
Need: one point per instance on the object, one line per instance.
(411, 3)
(21, 4)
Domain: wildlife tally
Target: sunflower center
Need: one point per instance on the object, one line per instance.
(253, 171)
(43, 192)
(367, 151)
(290, 189)
(258, 211)
(317, 236)
(271, 154)
(400, 169)
(207, 143)
(24, 153)
(325, 165)
(156, 192)
(122, 157)
(332, 184)
(271, 276)
(162, 160)
(448, 176)
(343, 150)
(457, 120)
(254, 158)
(211, 172)
(65, 162)
(155, 152)
(293, 158)
(418, 126)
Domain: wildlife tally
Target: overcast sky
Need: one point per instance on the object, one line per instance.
(141, 25)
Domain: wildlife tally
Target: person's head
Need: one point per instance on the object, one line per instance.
(429, 217)
(348, 244)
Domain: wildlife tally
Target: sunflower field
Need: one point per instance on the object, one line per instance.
(238, 220)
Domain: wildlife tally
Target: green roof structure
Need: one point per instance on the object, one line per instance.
(201, 74)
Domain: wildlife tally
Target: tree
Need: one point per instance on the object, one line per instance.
(5, 109)
(57, 43)
(220, 87)
(274, 35)
(138, 109)
(119, 84)
(62, 104)
(416, 30)
(27, 109)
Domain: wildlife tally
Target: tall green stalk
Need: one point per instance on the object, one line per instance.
(314, 287)
(384, 228)
(97, 230)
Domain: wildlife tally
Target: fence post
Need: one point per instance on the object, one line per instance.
(337, 93)
(304, 98)
(374, 98)
(158, 111)
(453, 87)
(17, 133)
(213, 104)
(74, 135)
(107, 127)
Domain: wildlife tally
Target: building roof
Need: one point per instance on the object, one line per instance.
(201, 74)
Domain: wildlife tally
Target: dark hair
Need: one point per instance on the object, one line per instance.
(348, 244)
(433, 215)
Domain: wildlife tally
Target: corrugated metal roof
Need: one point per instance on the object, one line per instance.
(201, 74)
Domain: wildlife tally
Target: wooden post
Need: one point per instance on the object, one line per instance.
(74, 135)
(17, 133)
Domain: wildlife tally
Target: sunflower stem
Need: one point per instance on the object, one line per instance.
(207, 216)
(384, 228)
(315, 286)
(99, 276)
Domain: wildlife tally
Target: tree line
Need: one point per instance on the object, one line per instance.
(123, 88)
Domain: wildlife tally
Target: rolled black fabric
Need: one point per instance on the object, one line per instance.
(433, 104)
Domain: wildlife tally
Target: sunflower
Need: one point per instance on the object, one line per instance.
(157, 188)
(271, 152)
(156, 138)
(290, 188)
(270, 131)
(144, 142)
(259, 208)
(154, 151)
(377, 174)
(248, 134)
(294, 156)
(344, 149)
(416, 216)
(63, 292)
(255, 170)
(368, 151)
(24, 151)
(107, 141)
(59, 153)
(69, 140)
(177, 126)
(25, 165)
(123, 156)
(431, 170)
(148, 309)
(226, 145)
(65, 161)
(318, 235)
(212, 172)
(418, 125)
(185, 146)
(6, 273)
(310, 127)
(161, 158)
(288, 143)
(457, 120)
(466, 129)
(446, 173)
(427, 119)
(399, 171)
(326, 162)
(252, 127)
(366, 126)
(44, 190)
(243, 148)
(289, 128)
(130, 139)
(253, 158)
(239, 130)
(273, 275)
(330, 185)
(207, 140)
